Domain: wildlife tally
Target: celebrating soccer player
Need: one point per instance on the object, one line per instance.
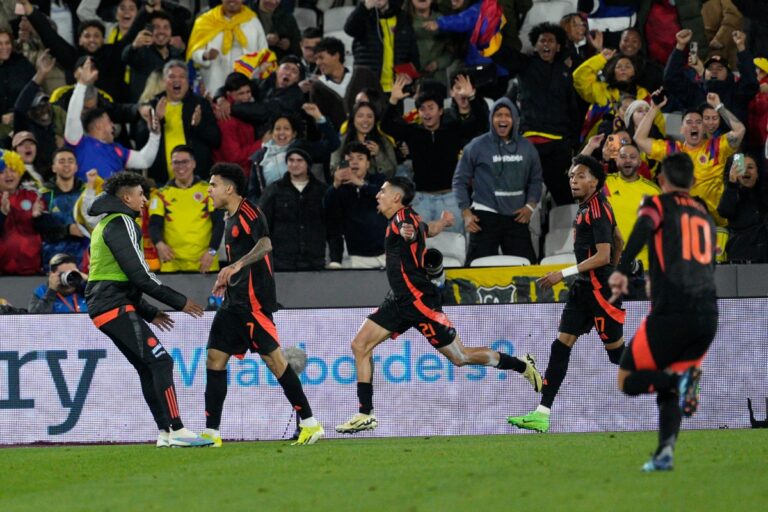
(597, 245)
(413, 302)
(666, 352)
(117, 278)
(244, 321)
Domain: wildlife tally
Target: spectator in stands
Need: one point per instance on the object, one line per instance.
(221, 36)
(283, 34)
(294, 209)
(609, 17)
(461, 109)
(150, 50)
(277, 94)
(756, 13)
(721, 19)
(310, 37)
(434, 146)
(33, 112)
(60, 196)
(758, 108)
(353, 215)
(90, 43)
(184, 226)
(717, 78)
(435, 52)
(619, 76)
(708, 155)
(22, 220)
(745, 205)
(238, 138)
(65, 290)
(384, 38)
(503, 172)
(363, 127)
(626, 189)
(329, 57)
(661, 19)
(96, 148)
(15, 72)
(124, 15)
(579, 47)
(549, 115)
(650, 74)
(183, 117)
(712, 122)
(25, 144)
(30, 45)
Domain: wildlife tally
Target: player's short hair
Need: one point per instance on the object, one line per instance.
(63, 149)
(233, 173)
(331, 46)
(357, 147)
(548, 28)
(312, 33)
(678, 169)
(406, 187)
(124, 179)
(91, 116)
(184, 148)
(595, 168)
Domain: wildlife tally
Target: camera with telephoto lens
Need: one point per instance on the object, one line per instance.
(72, 278)
(433, 264)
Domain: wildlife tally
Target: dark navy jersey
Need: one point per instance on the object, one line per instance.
(594, 224)
(682, 254)
(253, 288)
(405, 259)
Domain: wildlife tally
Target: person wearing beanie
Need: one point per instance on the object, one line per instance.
(293, 206)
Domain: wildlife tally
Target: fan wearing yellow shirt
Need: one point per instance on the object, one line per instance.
(183, 224)
(625, 191)
(708, 155)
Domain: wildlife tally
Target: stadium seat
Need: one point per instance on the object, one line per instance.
(452, 245)
(534, 226)
(673, 121)
(305, 18)
(562, 217)
(558, 241)
(544, 11)
(334, 19)
(559, 259)
(500, 261)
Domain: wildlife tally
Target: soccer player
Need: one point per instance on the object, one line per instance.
(413, 302)
(666, 352)
(597, 245)
(244, 321)
(117, 278)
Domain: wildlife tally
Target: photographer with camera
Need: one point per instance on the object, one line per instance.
(63, 293)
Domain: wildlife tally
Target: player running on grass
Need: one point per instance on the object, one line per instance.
(117, 278)
(244, 321)
(413, 302)
(597, 246)
(665, 355)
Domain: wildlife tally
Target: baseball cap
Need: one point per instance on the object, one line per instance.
(716, 59)
(21, 137)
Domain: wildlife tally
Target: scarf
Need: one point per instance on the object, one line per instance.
(209, 25)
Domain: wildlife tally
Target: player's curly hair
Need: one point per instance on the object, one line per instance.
(548, 28)
(232, 173)
(123, 179)
(595, 168)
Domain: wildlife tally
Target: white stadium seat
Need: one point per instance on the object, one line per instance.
(559, 259)
(305, 18)
(562, 217)
(335, 18)
(500, 261)
(452, 245)
(543, 11)
(558, 241)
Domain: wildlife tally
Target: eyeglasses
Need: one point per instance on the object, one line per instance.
(180, 162)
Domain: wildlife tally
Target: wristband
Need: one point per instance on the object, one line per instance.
(570, 271)
(718, 107)
(530, 207)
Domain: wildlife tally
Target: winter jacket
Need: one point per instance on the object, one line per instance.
(503, 175)
(689, 17)
(353, 217)
(44, 135)
(122, 250)
(203, 137)
(282, 23)
(14, 75)
(464, 23)
(238, 143)
(368, 47)
(734, 94)
(297, 223)
(61, 206)
(268, 103)
(434, 153)
(45, 300)
(609, 15)
(385, 162)
(747, 213)
(721, 18)
(756, 11)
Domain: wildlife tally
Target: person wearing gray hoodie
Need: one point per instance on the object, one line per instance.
(503, 172)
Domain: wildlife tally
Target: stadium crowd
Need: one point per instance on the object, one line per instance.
(482, 103)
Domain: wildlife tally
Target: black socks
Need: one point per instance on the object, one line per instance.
(649, 381)
(507, 362)
(215, 393)
(295, 393)
(365, 396)
(555, 374)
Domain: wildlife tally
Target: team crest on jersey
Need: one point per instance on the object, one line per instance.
(235, 231)
(198, 196)
(703, 159)
(26, 205)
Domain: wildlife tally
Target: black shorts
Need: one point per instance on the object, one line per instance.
(427, 317)
(236, 332)
(674, 341)
(588, 307)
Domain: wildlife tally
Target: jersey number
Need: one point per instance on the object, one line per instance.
(697, 239)
(251, 326)
(427, 330)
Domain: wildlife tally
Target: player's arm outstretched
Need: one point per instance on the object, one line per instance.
(262, 248)
(648, 221)
(434, 228)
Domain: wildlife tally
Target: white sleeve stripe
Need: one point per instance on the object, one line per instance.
(131, 226)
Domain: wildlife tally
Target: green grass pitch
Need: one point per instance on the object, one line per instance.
(715, 470)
